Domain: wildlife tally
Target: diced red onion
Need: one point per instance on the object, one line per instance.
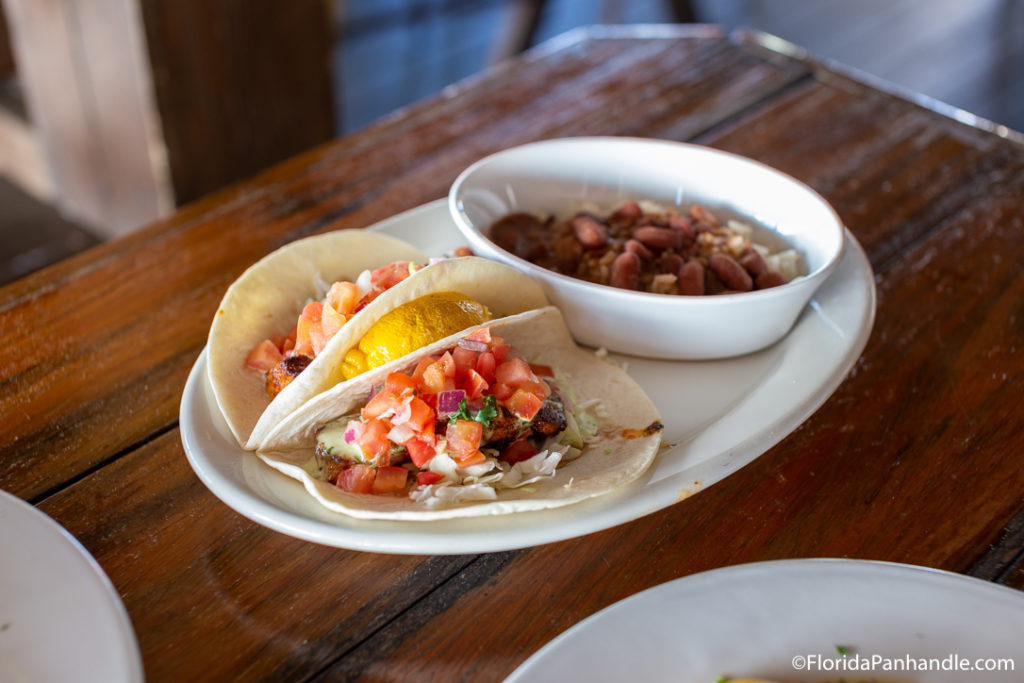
(401, 433)
(350, 435)
(448, 402)
(473, 345)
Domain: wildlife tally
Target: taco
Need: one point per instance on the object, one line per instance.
(266, 302)
(322, 310)
(505, 416)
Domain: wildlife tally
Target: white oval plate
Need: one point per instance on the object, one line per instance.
(60, 617)
(718, 415)
(758, 620)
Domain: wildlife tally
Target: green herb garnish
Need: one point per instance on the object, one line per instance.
(843, 650)
(484, 416)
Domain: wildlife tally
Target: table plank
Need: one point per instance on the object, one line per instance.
(213, 596)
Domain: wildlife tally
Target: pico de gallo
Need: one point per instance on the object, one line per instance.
(284, 356)
(471, 419)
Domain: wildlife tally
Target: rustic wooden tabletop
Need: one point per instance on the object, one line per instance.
(914, 458)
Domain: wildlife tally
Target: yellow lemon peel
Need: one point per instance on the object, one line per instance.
(411, 326)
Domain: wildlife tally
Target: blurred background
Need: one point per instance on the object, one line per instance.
(114, 112)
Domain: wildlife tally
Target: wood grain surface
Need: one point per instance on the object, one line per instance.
(914, 458)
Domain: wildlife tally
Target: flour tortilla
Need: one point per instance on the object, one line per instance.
(268, 298)
(610, 462)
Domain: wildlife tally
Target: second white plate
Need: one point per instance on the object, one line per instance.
(797, 620)
(60, 617)
(718, 415)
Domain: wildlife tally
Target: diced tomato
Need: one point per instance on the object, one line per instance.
(312, 311)
(421, 416)
(464, 437)
(317, 338)
(357, 479)
(474, 385)
(374, 441)
(421, 450)
(523, 404)
(542, 370)
(331, 320)
(433, 380)
(303, 330)
(382, 402)
(390, 275)
(501, 352)
(264, 356)
(321, 332)
(540, 389)
(485, 365)
(482, 335)
(518, 451)
(303, 344)
(278, 341)
(285, 342)
(421, 367)
(501, 391)
(513, 372)
(400, 384)
(365, 301)
(343, 297)
(474, 458)
(465, 360)
(428, 478)
(447, 364)
(390, 479)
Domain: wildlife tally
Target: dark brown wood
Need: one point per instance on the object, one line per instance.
(259, 604)
(913, 459)
(240, 85)
(6, 54)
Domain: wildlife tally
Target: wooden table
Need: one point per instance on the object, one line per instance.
(915, 457)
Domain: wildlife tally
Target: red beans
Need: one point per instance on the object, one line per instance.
(589, 231)
(638, 248)
(770, 278)
(625, 272)
(731, 273)
(658, 238)
(691, 278)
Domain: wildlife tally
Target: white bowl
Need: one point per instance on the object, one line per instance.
(554, 177)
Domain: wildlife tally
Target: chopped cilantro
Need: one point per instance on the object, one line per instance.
(843, 650)
(484, 416)
(487, 414)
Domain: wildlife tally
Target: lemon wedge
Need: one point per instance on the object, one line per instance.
(411, 326)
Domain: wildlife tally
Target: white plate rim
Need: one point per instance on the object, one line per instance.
(715, 585)
(81, 564)
(228, 481)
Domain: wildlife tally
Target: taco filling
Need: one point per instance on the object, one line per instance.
(284, 356)
(460, 425)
